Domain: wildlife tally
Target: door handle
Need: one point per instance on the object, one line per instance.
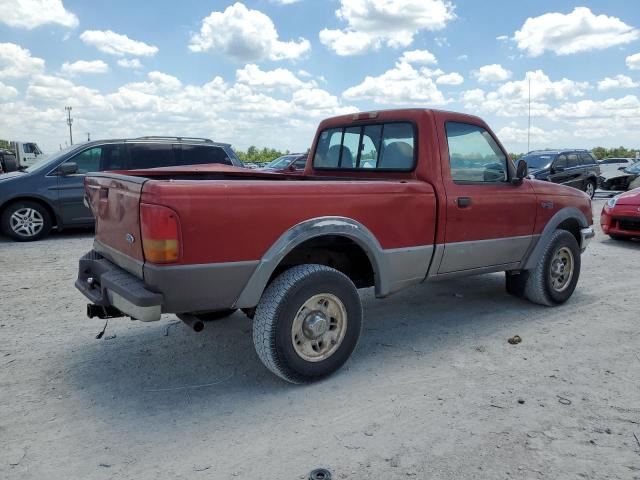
(464, 202)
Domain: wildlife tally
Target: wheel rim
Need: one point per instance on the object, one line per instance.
(26, 222)
(561, 270)
(590, 189)
(319, 327)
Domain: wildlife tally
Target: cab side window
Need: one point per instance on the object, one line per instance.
(474, 155)
(113, 158)
(149, 155)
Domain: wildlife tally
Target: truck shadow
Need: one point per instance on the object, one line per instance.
(165, 368)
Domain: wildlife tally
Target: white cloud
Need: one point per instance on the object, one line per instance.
(578, 31)
(252, 75)
(245, 34)
(462, 57)
(16, 61)
(512, 98)
(625, 107)
(372, 23)
(133, 63)
(285, 2)
(165, 81)
(633, 62)
(402, 85)
(492, 73)
(85, 67)
(452, 78)
(30, 14)
(539, 136)
(116, 44)
(619, 81)
(502, 38)
(7, 91)
(419, 56)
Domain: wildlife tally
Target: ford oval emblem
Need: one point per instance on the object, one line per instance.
(130, 238)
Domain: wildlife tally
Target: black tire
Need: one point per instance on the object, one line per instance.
(282, 304)
(40, 221)
(590, 187)
(540, 284)
(212, 316)
(10, 164)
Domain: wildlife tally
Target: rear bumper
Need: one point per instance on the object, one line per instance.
(165, 289)
(107, 285)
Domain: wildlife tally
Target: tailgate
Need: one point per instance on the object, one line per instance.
(115, 203)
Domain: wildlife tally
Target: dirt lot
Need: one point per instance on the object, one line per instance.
(433, 391)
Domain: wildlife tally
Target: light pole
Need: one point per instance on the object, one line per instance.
(69, 122)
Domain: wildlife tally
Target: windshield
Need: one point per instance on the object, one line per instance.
(50, 158)
(635, 168)
(539, 160)
(281, 162)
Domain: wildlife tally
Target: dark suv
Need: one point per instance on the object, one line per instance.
(572, 167)
(50, 193)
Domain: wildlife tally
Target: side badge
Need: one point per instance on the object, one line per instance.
(548, 205)
(130, 238)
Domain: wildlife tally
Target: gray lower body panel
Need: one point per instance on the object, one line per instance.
(195, 288)
(479, 254)
(407, 266)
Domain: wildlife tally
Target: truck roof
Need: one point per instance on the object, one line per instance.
(395, 114)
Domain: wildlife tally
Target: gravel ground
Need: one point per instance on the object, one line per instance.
(433, 391)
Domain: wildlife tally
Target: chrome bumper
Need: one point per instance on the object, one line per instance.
(586, 234)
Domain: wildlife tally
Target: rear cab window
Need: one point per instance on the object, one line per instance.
(373, 147)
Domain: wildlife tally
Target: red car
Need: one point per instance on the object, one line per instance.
(620, 218)
(388, 200)
(293, 164)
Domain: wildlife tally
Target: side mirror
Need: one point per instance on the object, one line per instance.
(522, 171)
(291, 168)
(68, 168)
(557, 169)
(621, 168)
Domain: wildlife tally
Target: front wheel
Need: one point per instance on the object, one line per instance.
(26, 221)
(555, 276)
(590, 188)
(307, 323)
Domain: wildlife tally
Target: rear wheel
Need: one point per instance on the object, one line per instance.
(26, 221)
(307, 323)
(590, 188)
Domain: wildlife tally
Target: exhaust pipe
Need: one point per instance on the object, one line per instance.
(192, 321)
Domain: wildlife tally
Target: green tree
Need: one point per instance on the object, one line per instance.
(255, 155)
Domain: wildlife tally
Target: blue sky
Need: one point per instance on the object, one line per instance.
(265, 72)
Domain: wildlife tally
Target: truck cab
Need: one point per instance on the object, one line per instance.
(27, 153)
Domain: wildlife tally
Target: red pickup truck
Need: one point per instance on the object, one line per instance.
(388, 200)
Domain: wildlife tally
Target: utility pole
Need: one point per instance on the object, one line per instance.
(529, 127)
(69, 122)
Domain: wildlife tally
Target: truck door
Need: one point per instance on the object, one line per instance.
(489, 219)
(71, 187)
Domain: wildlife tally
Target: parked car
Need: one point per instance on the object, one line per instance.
(620, 179)
(571, 167)
(293, 163)
(610, 166)
(620, 217)
(397, 217)
(50, 193)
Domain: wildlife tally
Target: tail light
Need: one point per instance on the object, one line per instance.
(160, 228)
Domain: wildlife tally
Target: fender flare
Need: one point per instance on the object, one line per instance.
(561, 215)
(314, 228)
